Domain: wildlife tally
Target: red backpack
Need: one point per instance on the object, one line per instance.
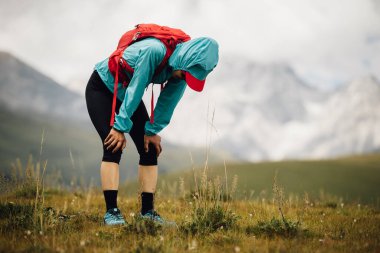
(169, 36)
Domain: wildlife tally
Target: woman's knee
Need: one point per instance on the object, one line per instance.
(108, 156)
(148, 158)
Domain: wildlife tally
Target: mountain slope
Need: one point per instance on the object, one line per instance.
(24, 88)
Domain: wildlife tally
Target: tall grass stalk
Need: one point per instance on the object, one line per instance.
(210, 213)
(39, 201)
(195, 176)
(278, 194)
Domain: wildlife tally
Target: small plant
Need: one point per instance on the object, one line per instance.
(275, 227)
(206, 221)
(16, 216)
(28, 182)
(278, 227)
(210, 205)
(211, 197)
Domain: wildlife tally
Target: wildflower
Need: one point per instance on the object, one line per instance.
(354, 220)
(321, 240)
(250, 215)
(341, 205)
(237, 249)
(161, 238)
(41, 233)
(82, 243)
(132, 214)
(190, 203)
(28, 232)
(97, 234)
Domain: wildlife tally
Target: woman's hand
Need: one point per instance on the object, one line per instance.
(155, 140)
(115, 139)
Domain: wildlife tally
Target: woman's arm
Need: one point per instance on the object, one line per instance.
(166, 103)
(144, 69)
(148, 60)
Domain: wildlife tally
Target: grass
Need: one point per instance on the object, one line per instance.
(209, 215)
(71, 226)
(353, 179)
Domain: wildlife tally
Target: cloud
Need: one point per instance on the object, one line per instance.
(327, 41)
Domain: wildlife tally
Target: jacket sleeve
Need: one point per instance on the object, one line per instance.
(166, 103)
(149, 59)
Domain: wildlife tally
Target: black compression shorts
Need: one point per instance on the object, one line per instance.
(99, 106)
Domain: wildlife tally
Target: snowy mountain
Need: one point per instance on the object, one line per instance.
(264, 111)
(349, 121)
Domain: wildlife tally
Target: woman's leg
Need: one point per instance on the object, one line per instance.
(148, 178)
(148, 169)
(99, 105)
(109, 174)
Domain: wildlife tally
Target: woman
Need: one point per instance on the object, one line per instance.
(189, 65)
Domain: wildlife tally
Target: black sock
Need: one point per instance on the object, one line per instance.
(146, 202)
(111, 198)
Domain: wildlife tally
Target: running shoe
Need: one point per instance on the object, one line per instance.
(113, 217)
(154, 216)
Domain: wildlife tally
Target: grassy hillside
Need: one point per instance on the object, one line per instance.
(353, 179)
(21, 137)
(74, 151)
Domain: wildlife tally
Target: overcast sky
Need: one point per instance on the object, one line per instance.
(327, 42)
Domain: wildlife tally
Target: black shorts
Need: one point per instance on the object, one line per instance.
(99, 106)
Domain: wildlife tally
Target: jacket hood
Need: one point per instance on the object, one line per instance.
(197, 56)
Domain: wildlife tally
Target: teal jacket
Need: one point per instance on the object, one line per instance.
(144, 57)
(197, 56)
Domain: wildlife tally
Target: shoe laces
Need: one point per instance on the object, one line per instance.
(115, 212)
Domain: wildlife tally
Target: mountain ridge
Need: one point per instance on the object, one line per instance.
(36, 92)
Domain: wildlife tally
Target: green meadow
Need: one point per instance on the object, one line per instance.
(288, 206)
(354, 179)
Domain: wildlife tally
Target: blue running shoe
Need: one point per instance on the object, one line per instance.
(154, 216)
(113, 217)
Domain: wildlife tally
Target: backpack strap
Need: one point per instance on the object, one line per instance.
(114, 95)
(152, 107)
(169, 52)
